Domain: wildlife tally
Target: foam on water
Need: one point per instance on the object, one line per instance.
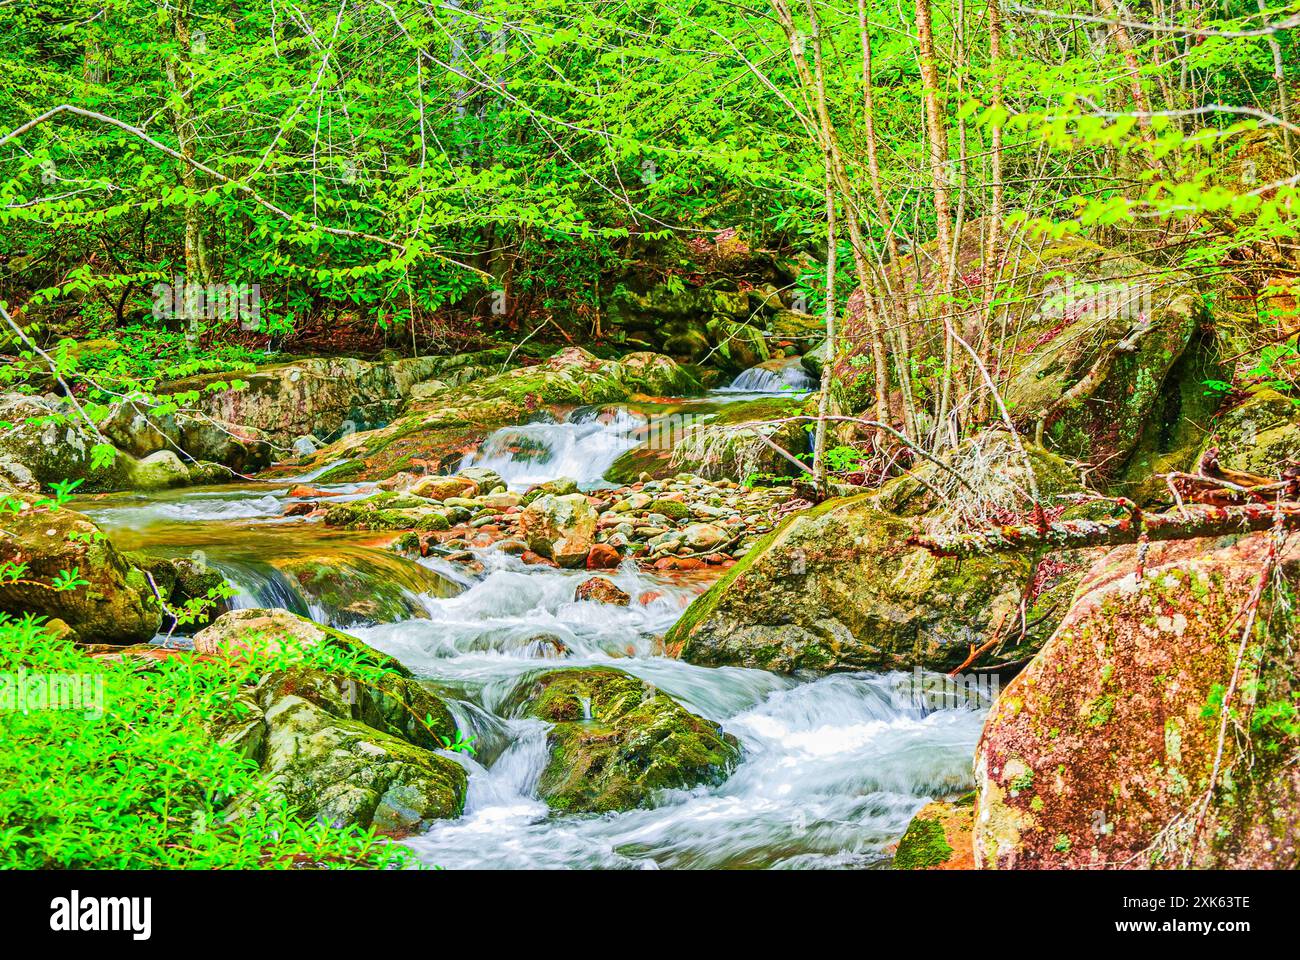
(581, 447)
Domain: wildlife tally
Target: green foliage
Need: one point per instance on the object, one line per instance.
(136, 781)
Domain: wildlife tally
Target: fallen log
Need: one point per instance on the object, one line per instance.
(1187, 523)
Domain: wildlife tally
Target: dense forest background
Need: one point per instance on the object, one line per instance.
(414, 176)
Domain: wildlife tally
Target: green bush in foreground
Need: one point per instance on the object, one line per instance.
(136, 781)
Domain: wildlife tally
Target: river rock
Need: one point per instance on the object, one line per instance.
(116, 605)
(440, 488)
(603, 556)
(343, 751)
(637, 742)
(561, 528)
(1095, 754)
(939, 837)
(601, 590)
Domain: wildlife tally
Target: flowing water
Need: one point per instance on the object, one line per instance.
(833, 766)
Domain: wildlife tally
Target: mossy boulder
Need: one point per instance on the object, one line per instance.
(1077, 315)
(737, 346)
(114, 605)
(341, 749)
(1101, 753)
(44, 441)
(1259, 435)
(185, 583)
(1179, 424)
(638, 741)
(840, 587)
(389, 511)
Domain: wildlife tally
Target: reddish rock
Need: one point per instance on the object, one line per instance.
(601, 590)
(534, 559)
(1101, 753)
(603, 557)
(302, 491)
(301, 509)
(680, 563)
(649, 597)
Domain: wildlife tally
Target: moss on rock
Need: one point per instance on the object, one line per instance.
(637, 741)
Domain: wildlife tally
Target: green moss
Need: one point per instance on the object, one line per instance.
(923, 845)
(637, 741)
(672, 509)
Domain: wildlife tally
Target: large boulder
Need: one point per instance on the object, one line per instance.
(115, 604)
(616, 741)
(340, 750)
(141, 429)
(195, 594)
(1103, 752)
(560, 528)
(840, 587)
(43, 441)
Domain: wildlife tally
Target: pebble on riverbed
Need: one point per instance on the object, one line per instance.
(682, 523)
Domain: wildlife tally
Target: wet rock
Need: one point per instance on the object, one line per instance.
(561, 528)
(561, 486)
(1095, 754)
(602, 591)
(839, 587)
(158, 471)
(441, 488)
(637, 741)
(114, 604)
(705, 536)
(389, 511)
(194, 593)
(603, 556)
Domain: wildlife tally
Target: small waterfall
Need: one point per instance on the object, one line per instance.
(581, 447)
(790, 377)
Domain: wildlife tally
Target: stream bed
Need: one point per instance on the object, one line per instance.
(834, 766)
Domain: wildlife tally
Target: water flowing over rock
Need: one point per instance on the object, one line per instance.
(1101, 753)
(616, 740)
(439, 428)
